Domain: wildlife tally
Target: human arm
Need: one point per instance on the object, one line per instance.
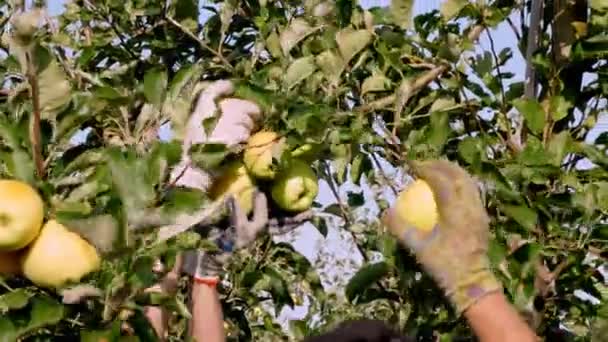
(207, 324)
(453, 250)
(156, 315)
(236, 120)
(493, 318)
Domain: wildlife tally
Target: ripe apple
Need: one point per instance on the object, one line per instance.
(295, 187)
(234, 180)
(21, 215)
(416, 205)
(10, 263)
(262, 149)
(58, 256)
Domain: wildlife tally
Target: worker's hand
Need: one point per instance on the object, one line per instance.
(235, 119)
(208, 266)
(454, 251)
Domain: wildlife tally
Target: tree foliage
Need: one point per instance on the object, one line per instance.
(368, 89)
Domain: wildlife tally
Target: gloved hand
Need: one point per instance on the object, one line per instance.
(207, 267)
(236, 119)
(454, 251)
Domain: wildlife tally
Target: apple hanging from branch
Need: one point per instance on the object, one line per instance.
(21, 214)
(295, 187)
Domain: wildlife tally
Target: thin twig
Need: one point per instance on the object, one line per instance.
(201, 42)
(284, 225)
(35, 139)
(383, 174)
(334, 190)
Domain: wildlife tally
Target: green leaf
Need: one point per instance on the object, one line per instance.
(186, 10)
(45, 312)
(54, 88)
(297, 30)
(523, 215)
(360, 165)
(299, 70)
(351, 42)
(208, 156)
(320, 224)
(130, 179)
(375, 82)
(471, 150)
(533, 113)
(559, 107)
(179, 84)
(439, 129)
(19, 165)
(367, 276)
(14, 300)
(401, 12)
(331, 64)
(155, 85)
(355, 199)
(103, 231)
(262, 97)
(8, 331)
(559, 147)
(451, 8)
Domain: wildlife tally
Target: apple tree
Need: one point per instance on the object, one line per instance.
(94, 104)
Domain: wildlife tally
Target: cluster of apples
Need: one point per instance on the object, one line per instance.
(293, 184)
(48, 254)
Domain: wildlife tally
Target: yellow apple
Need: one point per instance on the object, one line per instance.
(21, 214)
(58, 257)
(234, 180)
(10, 263)
(296, 187)
(416, 205)
(262, 149)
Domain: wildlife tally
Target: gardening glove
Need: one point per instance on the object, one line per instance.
(207, 267)
(454, 251)
(236, 119)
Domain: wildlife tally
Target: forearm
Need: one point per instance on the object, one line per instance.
(494, 319)
(207, 324)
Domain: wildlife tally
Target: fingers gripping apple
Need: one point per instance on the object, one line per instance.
(442, 220)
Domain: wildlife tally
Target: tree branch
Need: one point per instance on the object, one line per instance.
(201, 43)
(35, 139)
(530, 84)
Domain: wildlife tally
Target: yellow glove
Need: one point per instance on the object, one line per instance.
(452, 251)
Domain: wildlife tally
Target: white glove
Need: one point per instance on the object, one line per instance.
(237, 120)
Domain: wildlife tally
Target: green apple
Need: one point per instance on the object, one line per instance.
(295, 187)
(21, 215)
(262, 149)
(234, 180)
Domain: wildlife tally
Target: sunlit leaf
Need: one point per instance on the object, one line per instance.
(155, 86)
(533, 113)
(297, 30)
(401, 11)
(451, 8)
(351, 42)
(523, 215)
(299, 70)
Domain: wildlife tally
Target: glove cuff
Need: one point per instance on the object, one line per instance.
(474, 288)
(210, 281)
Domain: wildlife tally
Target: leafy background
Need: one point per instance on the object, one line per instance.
(369, 89)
